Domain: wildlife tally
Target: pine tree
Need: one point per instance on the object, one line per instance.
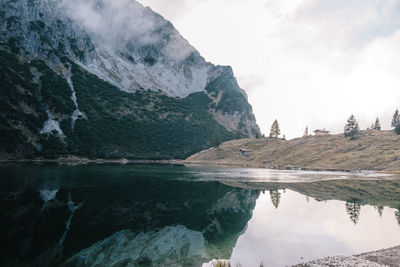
(397, 129)
(305, 132)
(377, 125)
(216, 140)
(275, 130)
(396, 119)
(351, 129)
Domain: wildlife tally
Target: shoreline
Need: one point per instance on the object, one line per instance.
(76, 160)
(377, 151)
(82, 161)
(379, 258)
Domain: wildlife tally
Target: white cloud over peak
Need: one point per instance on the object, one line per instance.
(311, 62)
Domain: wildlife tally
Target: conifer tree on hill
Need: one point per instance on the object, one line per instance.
(377, 125)
(275, 130)
(351, 129)
(396, 119)
(216, 139)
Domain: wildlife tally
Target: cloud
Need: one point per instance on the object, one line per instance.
(115, 21)
(169, 9)
(304, 62)
(122, 24)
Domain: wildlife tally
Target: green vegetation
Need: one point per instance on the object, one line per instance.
(21, 112)
(397, 129)
(140, 125)
(396, 118)
(351, 129)
(216, 139)
(377, 125)
(275, 130)
(144, 124)
(55, 91)
(396, 121)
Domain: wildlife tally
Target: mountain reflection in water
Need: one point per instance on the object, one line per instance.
(179, 216)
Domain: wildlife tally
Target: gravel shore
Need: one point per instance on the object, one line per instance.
(384, 257)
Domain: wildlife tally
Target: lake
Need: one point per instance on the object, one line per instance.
(172, 215)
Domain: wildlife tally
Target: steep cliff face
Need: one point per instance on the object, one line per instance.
(78, 69)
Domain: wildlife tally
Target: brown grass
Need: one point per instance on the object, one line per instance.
(374, 150)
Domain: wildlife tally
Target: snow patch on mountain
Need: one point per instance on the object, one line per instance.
(52, 125)
(77, 113)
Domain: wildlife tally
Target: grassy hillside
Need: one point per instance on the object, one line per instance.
(374, 150)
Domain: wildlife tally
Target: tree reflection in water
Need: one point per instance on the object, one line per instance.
(380, 210)
(275, 197)
(353, 209)
(397, 214)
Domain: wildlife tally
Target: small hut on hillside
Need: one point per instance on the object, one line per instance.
(244, 152)
(321, 132)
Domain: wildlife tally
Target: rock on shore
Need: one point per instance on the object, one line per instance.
(385, 257)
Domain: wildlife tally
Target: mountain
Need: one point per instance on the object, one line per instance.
(109, 79)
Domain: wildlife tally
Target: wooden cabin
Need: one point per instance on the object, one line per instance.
(321, 132)
(244, 152)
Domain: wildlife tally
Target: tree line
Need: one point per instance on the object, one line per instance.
(351, 128)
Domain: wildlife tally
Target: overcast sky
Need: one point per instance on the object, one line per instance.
(303, 62)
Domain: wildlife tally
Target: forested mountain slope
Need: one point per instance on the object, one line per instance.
(109, 79)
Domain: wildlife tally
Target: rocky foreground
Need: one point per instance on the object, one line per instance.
(373, 150)
(385, 257)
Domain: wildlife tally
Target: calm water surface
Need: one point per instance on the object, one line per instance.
(113, 215)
